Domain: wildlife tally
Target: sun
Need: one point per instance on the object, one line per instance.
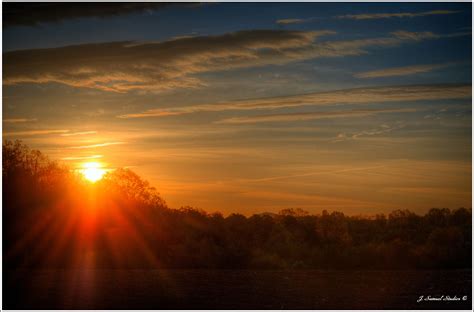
(92, 171)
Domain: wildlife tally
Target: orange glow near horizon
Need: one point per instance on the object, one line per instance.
(92, 171)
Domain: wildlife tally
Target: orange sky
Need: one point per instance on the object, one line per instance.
(309, 106)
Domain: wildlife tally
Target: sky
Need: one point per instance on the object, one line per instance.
(362, 108)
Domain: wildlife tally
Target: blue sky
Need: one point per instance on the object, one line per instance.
(253, 107)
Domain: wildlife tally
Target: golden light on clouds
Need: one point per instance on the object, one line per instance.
(82, 157)
(298, 112)
(97, 145)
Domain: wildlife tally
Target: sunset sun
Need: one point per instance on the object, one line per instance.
(92, 171)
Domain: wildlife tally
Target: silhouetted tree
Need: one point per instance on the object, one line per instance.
(53, 218)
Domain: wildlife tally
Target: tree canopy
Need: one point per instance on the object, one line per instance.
(53, 218)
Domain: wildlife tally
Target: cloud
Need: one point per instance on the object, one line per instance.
(346, 96)
(312, 116)
(402, 71)
(382, 129)
(158, 66)
(82, 157)
(32, 14)
(423, 35)
(287, 21)
(396, 15)
(98, 145)
(78, 133)
(62, 132)
(314, 173)
(125, 66)
(19, 120)
(438, 115)
(413, 35)
(33, 132)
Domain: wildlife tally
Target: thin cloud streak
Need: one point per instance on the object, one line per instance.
(346, 96)
(61, 132)
(33, 132)
(19, 120)
(98, 145)
(367, 16)
(395, 15)
(288, 21)
(78, 133)
(313, 174)
(312, 116)
(425, 35)
(402, 71)
(82, 157)
(382, 129)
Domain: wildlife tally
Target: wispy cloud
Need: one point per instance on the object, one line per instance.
(98, 145)
(33, 132)
(82, 157)
(313, 173)
(78, 133)
(382, 129)
(157, 66)
(424, 35)
(19, 120)
(312, 116)
(402, 71)
(437, 115)
(287, 21)
(414, 35)
(347, 96)
(125, 66)
(367, 16)
(395, 15)
(31, 14)
(61, 132)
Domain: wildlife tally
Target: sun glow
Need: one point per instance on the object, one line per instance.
(92, 171)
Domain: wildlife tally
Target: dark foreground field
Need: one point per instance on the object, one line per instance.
(233, 289)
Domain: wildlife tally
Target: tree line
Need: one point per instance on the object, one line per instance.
(53, 218)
